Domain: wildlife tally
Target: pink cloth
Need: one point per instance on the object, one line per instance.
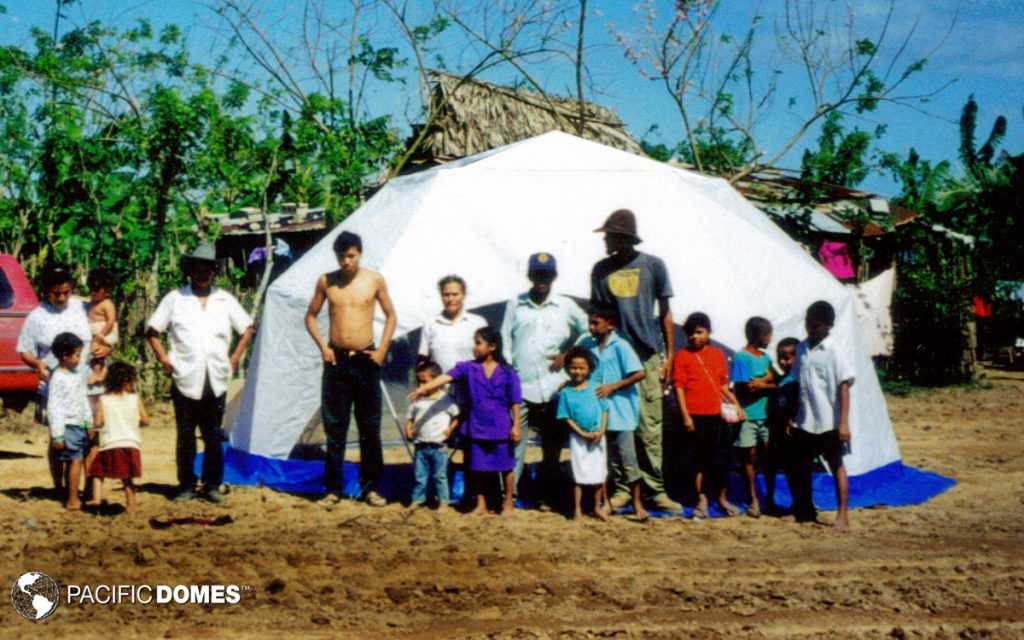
(835, 256)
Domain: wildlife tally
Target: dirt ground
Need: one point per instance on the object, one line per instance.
(952, 568)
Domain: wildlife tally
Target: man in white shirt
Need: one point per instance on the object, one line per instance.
(536, 331)
(825, 371)
(199, 319)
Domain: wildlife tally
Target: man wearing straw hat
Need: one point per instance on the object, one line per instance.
(199, 319)
(634, 283)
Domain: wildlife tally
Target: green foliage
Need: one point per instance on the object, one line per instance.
(921, 182)
(986, 202)
(720, 152)
(929, 307)
(115, 145)
(841, 157)
(939, 275)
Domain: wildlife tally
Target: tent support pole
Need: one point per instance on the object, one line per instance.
(398, 423)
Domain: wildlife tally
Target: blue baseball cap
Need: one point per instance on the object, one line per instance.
(542, 263)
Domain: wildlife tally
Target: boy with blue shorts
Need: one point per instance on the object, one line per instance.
(618, 371)
(751, 374)
(70, 414)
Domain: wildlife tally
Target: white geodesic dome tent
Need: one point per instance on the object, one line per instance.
(481, 217)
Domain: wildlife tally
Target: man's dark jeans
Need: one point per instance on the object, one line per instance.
(352, 382)
(207, 413)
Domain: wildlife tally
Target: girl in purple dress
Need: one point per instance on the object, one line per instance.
(492, 424)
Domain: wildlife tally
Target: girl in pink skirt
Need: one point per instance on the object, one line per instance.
(119, 416)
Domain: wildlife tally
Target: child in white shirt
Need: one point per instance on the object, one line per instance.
(430, 422)
(69, 414)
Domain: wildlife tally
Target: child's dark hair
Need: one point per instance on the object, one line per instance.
(119, 376)
(605, 312)
(65, 344)
(492, 336)
(451, 279)
(695, 320)
(345, 241)
(101, 278)
(584, 354)
(54, 274)
(431, 366)
(757, 328)
(786, 343)
(822, 311)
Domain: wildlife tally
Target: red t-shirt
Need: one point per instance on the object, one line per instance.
(703, 390)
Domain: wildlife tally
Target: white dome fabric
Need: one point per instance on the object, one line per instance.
(481, 217)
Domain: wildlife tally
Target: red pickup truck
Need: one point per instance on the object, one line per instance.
(18, 382)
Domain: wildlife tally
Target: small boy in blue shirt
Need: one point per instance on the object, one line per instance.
(618, 371)
(751, 375)
(782, 408)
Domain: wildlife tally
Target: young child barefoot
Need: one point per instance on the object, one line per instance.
(824, 370)
(617, 371)
(701, 381)
(69, 413)
(102, 316)
(587, 417)
(753, 382)
(119, 417)
(492, 425)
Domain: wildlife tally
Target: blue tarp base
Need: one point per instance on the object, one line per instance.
(893, 485)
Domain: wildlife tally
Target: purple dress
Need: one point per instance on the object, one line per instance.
(488, 423)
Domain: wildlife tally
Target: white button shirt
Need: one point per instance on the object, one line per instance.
(200, 338)
(820, 371)
(532, 334)
(450, 341)
(45, 323)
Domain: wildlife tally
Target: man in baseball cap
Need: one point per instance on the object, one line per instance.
(634, 283)
(538, 328)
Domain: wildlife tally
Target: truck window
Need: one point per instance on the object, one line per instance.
(6, 292)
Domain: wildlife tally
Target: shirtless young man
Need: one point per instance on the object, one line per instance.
(351, 365)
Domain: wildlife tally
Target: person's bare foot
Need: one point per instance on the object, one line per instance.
(94, 503)
(73, 506)
(576, 515)
(601, 515)
(442, 507)
(728, 507)
(640, 514)
(842, 524)
(508, 511)
(479, 510)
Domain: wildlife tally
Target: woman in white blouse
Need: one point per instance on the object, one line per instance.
(447, 338)
(59, 312)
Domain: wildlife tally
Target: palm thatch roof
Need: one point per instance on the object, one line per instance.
(475, 116)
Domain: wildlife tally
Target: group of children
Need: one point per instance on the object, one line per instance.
(778, 419)
(95, 416)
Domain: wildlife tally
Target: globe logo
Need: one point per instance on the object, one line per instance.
(35, 596)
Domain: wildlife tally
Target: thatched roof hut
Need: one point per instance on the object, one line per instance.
(475, 116)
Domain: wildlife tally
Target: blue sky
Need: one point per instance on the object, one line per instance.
(982, 56)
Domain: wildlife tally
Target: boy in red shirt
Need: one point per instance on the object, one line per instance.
(701, 381)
